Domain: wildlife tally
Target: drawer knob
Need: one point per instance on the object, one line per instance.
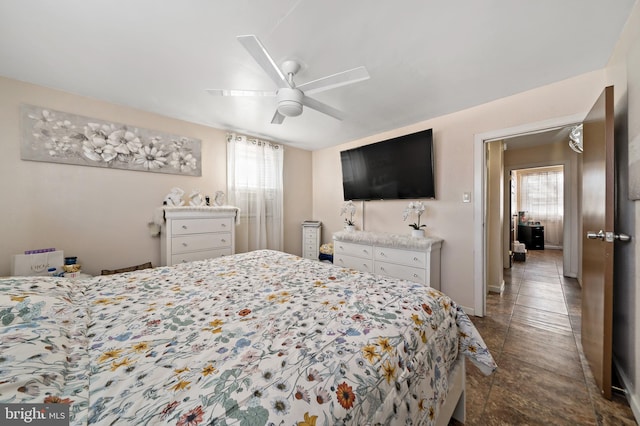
(415, 275)
(224, 225)
(184, 244)
(184, 226)
(382, 269)
(415, 259)
(223, 240)
(382, 254)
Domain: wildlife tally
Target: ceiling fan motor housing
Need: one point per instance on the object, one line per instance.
(290, 102)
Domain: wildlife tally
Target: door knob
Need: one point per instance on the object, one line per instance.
(607, 236)
(619, 237)
(593, 236)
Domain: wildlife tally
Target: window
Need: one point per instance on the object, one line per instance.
(541, 197)
(256, 165)
(254, 184)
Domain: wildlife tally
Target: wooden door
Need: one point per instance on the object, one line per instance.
(597, 243)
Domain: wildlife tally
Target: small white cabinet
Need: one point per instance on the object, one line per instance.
(197, 232)
(399, 256)
(311, 239)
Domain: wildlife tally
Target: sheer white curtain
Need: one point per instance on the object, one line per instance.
(542, 198)
(254, 184)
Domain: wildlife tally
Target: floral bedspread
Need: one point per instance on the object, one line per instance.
(252, 339)
(43, 344)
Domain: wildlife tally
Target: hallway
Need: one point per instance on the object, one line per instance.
(533, 332)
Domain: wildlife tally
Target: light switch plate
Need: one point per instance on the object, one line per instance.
(466, 197)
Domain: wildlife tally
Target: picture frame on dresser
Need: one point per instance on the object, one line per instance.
(192, 233)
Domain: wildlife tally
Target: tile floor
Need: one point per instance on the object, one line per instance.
(533, 332)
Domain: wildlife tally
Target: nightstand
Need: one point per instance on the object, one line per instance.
(532, 236)
(311, 239)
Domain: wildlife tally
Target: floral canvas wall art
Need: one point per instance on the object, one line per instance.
(60, 137)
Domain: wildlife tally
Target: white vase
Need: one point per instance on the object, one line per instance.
(349, 228)
(417, 233)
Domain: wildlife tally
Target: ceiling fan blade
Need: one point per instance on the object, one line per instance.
(277, 118)
(336, 80)
(323, 108)
(223, 92)
(257, 50)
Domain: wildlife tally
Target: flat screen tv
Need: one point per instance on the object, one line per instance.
(397, 168)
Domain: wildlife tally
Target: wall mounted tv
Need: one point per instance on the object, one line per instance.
(397, 168)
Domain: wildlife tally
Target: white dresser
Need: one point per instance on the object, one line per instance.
(398, 256)
(195, 233)
(311, 239)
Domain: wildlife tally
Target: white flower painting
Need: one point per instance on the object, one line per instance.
(60, 137)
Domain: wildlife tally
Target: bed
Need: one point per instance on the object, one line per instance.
(251, 339)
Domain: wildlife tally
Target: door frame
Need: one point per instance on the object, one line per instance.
(480, 194)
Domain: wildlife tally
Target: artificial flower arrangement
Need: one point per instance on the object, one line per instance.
(349, 209)
(414, 208)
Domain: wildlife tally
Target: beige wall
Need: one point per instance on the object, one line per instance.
(101, 215)
(447, 216)
(297, 197)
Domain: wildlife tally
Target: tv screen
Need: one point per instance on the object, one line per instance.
(393, 169)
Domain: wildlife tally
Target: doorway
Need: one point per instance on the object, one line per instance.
(511, 138)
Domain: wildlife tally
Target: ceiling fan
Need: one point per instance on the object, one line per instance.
(292, 97)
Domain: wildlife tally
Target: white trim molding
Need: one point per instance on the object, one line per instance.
(480, 177)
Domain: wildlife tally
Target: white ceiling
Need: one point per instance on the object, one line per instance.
(426, 58)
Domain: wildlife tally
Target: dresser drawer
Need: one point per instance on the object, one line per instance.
(196, 242)
(413, 258)
(311, 250)
(352, 262)
(350, 249)
(309, 254)
(408, 273)
(200, 255)
(309, 232)
(198, 226)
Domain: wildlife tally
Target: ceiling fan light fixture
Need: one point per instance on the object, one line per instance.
(290, 102)
(290, 108)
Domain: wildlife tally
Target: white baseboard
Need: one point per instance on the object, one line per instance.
(633, 399)
(552, 247)
(469, 311)
(497, 288)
